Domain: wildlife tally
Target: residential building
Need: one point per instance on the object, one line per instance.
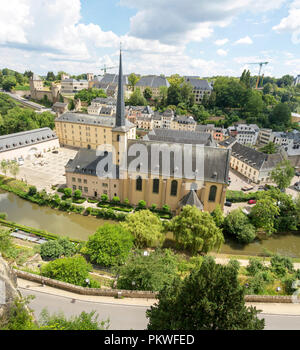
(255, 166)
(228, 143)
(27, 144)
(39, 92)
(265, 136)
(99, 106)
(245, 134)
(217, 133)
(109, 83)
(200, 88)
(60, 108)
(182, 122)
(73, 86)
(154, 83)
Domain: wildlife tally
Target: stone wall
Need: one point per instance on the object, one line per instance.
(130, 293)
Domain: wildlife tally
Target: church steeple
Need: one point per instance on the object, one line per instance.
(120, 115)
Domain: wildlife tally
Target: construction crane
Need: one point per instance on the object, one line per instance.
(261, 64)
(104, 69)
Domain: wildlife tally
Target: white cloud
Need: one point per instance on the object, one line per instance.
(291, 23)
(246, 40)
(222, 52)
(221, 42)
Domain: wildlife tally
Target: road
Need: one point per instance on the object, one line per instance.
(129, 317)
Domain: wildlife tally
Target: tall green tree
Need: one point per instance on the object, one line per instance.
(146, 228)
(147, 94)
(283, 174)
(281, 115)
(9, 82)
(238, 225)
(196, 230)
(137, 99)
(263, 215)
(211, 298)
(133, 80)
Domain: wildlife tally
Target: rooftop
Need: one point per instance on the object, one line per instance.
(153, 81)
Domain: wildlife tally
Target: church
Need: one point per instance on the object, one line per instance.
(174, 168)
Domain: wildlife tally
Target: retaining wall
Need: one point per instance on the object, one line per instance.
(131, 293)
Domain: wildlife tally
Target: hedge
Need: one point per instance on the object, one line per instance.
(239, 196)
(36, 232)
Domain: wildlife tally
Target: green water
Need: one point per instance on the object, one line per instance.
(26, 213)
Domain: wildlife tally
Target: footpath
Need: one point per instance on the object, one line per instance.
(266, 308)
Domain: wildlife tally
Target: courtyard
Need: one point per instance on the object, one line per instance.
(47, 170)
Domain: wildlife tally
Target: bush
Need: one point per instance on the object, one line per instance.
(3, 216)
(74, 270)
(68, 192)
(110, 245)
(51, 250)
(150, 273)
(281, 265)
(68, 247)
(116, 200)
(153, 207)
(32, 191)
(77, 194)
(104, 198)
(255, 266)
(142, 205)
(166, 208)
(238, 224)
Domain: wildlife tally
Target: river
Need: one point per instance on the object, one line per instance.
(81, 227)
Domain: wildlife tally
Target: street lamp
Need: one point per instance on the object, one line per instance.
(87, 281)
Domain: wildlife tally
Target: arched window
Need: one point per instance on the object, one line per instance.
(139, 184)
(156, 186)
(213, 194)
(174, 187)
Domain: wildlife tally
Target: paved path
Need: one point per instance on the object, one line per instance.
(127, 314)
(244, 262)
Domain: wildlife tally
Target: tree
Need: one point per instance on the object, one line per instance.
(196, 305)
(174, 95)
(50, 76)
(147, 94)
(145, 227)
(71, 105)
(74, 270)
(218, 216)
(263, 215)
(196, 230)
(8, 83)
(14, 168)
(238, 224)
(104, 198)
(283, 174)
(176, 80)
(133, 80)
(4, 166)
(88, 95)
(32, 191)
(270, 148)
(110, 245)
(68, 248)
(137, 99)
(151, 272)
(281, 115)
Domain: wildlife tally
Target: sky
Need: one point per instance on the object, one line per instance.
(201, 38)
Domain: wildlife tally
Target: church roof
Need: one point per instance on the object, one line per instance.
(191, 199)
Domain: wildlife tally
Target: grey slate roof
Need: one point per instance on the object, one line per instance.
(105, 100)
(59, 105)
(79, 118)
(26, 138)
(228, 142)
(215, 160)
(120, 113)
(191, 199)
(255, 159)
(153, 81)
(183, 119)
(179, 136)
(199, 84)
(111, 79)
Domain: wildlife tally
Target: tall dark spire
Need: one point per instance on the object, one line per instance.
(120, 115)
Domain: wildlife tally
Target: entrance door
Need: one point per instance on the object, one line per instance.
(96, 194)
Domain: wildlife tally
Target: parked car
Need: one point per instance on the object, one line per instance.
(252, 201)
(297, 173)
(55, 152)
(297, 186)
(228, 204)
(247, 188)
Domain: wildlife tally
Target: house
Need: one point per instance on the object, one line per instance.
(245, 134)
(73, 86)
(60, 108)
(255, 166)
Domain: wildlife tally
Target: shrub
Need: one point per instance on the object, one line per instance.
(3, 216)
(153, 207)
(126, 201)
(68, 247)
(166, 208)
(151, 273)
(142, 205)
(254, 266)
(116, 200)
(238, 224)
(77, 194)
(32, 191)
(74, 270)
(104, 198)
(51, 250)
(281, 265)
(110, 245)
(68, 192)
